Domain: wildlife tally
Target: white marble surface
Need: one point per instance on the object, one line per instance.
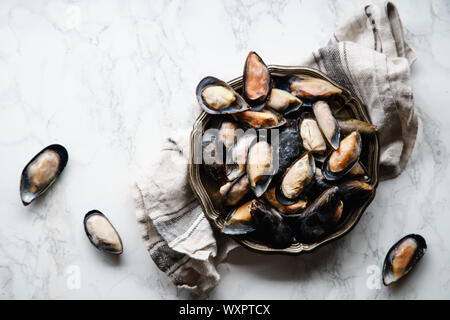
(103, 77)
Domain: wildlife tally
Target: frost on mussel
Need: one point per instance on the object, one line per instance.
(266, 225)
(259, 167)
(101, 233)
(41, 172)
(217, 97)
(257, 82)
(297, 179)
(320, 218)
(341, 161)
(312, 88)
(327, 123)
(402, 257)
(264, 119)
(284, 102)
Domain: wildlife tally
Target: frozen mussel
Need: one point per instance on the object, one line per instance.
(297, 179)
(304, 87)
(264, 119)
(260, 167)
(267, 225)
(402, 257)
(257, 81)
(283, 101)
(101, 233)
(217, 97)
(320, 218)
(42, 171)
(341, 161)
(327, 123)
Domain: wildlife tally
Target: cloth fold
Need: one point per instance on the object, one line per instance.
(369, 55)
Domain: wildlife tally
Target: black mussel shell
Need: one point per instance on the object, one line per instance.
(318, 220)
(256, 101)
(279, 192)
(289, 146)
(238, 105)
(355, 190)
(240, 220)
(332, 176)
(97, 238)
(57, 157)
(214, 157)
(271, 228)
(402, 257)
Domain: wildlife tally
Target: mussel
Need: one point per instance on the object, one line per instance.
(259, 167)
(284, 102)
(266, 119)
(296, 180)
(233, 192)
(217, 97)
(341, 161)
(266, 225)
(402, 257)
(355, 190)
(227, 133)
(320, 218)
(350, 125)
(313, 88)
(257, 82)
(271, 199)
(327, 123)
(101, 233)
(236, 167)
(42, 171)
(312, 137)
(289, 146)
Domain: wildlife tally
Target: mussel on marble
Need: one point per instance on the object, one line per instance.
(327, 123)
(297, 179)
(101, 233)
(342, 160)
(257, 82)
(259, 167)
(402, 257)
(42, 171)
(217, 97)
(312, 88)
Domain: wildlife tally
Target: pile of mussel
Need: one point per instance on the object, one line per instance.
(295, 184)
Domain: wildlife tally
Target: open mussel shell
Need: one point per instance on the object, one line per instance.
(341, 161)
(240, 220)
(283, 101)
(402, 257)
(42, 171)
(101, 233)
(297, 180)
(233, 192)
(239, 154)
(217, 97)
(257, 82)
(311, 135)
(306, 87)
(260, 167)
(320, 218)
(271, 199)
(327, 123)
(264, 119)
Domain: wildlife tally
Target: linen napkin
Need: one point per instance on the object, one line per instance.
(368, 54)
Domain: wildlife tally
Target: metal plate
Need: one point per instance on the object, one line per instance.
(206, 189)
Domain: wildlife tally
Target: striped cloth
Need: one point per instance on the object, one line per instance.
(368, 55)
